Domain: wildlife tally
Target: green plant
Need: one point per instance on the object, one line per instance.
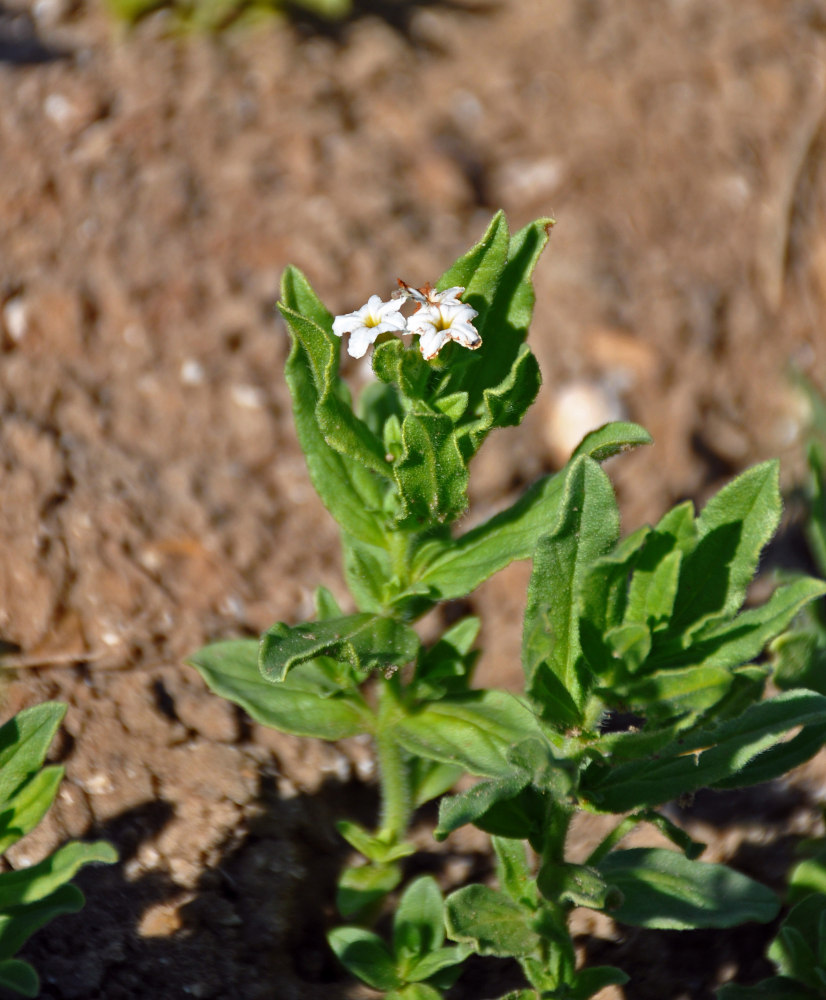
(32, 897)
(799, 950)
(216, 15)
(800, 654)
(640, 684)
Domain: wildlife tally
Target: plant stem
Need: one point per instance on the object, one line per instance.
(394, 782)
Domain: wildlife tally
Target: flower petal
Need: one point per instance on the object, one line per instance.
(431, 341)
(347, 323)
(360, 340)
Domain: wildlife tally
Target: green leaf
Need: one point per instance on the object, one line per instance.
(429, 779)
(373, 848)
(795, 950)
(37, 882)
(776, 988)
(393, 363)
(365, 955)
(732, 643)
(437, 963)
(361, 888)
(19, 977)
(732, 749)
(611, 439)
(297, 294)
(491, 922)
(808, 877)
(473, 804)
(23, 811)
(418, 927)
(509, 535)
(479, 270)
(326, 606)
(733, 528)
(367, 571)
(502, 379)
(340, 427)
(474, 730)
(654, 584)
(579, 885)
(514, 871)
(431, 475)
(365, 641)
(589, 982)
(305, 704)
(24, 742)
(19, 923)
(662, 889)
(503, 405)
(414, 991)
(340, 481)
(588, 526)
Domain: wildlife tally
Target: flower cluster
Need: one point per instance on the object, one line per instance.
(439, 317)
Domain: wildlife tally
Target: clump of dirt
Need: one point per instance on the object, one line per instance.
(153, 495)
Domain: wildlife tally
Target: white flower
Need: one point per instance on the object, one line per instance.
(367, 323)
(437, 324)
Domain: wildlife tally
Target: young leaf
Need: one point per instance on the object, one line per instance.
(663, 889)
(365, 955)
(23, 811)
(589, 982)
(24, 742)
(18, 925)
(431, 475)
(776, 988)
(361, 888)
(340, 427)
(338, 480)
(418, 927)
(491, 922)
(479, 270)
(365, 641)
(373, 848)
(474, 730)
(733, 528)
(305, 704)
(611, 439)
(367, 570)
(503, 379)
(588, 526)
(513, 871)
(19, 977)
(473, 804)
(297, 294)
(732, 749)
(28, 885)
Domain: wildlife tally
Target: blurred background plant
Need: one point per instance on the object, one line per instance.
(800, 654)
(215, 15)
(33, 896)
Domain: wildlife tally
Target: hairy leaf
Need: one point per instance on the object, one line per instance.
(365, 641)
(663, 889)
(305, 704)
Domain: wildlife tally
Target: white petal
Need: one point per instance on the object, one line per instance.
(450, 296)
(426, 318)
(347, 323)
(391, 318)
(360, 340)
(465, 334)
(431, 342)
